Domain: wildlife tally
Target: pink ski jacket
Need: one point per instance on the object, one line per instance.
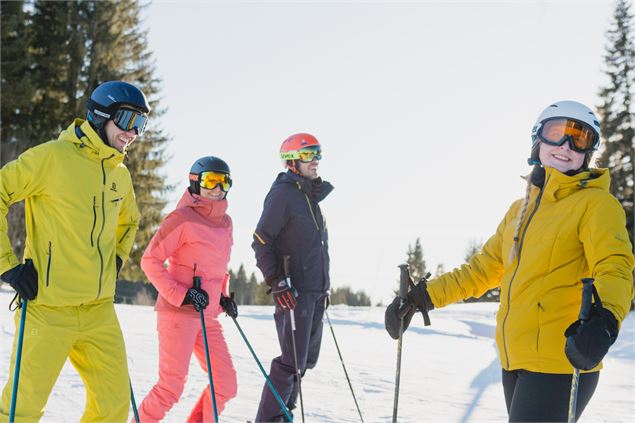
(196, 235)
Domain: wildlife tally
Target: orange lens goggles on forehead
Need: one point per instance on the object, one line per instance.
(209, 180)
(581, 137)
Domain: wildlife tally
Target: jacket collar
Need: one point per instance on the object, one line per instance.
(317, 189)
(82, 134)
(559, 185)
(204, 206)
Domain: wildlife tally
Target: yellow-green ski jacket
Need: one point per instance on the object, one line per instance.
(80, 213)
(573, 228)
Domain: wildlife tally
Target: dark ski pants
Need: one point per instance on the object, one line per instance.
(543, 397)
(308, 337)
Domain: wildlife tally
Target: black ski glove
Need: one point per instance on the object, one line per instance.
(588, 341)
(23, 278)
(118, 263)
(392, 322)
(417, 299)
(197, 297)
(229, 305)
(284, 294)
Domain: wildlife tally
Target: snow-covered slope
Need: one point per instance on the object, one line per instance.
(450, 370)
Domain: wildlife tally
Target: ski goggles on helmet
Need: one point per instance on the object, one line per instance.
(305, 155)
(210, 180)
(582, 138)
(127, 119)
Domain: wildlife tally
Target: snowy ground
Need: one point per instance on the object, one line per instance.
(450, 370)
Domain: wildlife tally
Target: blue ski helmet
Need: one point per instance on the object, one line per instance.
(106, 99)
(206, 164)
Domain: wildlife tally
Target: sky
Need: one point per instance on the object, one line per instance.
(423, 109)
(450, 371)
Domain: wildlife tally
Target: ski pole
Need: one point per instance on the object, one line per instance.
(343, 366)
(403, 290)
(18, 359)
(273, 389)
(197, 284)
(133, 402)
(585, 313)
(295, 350)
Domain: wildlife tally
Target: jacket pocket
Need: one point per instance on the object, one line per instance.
(48, 264)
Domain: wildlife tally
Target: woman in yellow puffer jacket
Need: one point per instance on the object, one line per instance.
(567, 227)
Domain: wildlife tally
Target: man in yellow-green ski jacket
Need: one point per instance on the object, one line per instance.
(81, 221)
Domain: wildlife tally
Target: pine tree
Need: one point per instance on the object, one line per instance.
(415, 260)
(17, 91)
(53, 55)
(239, 286)
(615, 110)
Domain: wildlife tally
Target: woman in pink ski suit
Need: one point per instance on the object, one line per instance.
(196, 240)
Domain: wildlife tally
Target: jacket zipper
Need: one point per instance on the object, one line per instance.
(103, 223)
(321, 240)
(48, 265)
(312, 214)
(509, 289)
(92, 231)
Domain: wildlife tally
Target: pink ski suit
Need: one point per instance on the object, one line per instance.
(195, 237)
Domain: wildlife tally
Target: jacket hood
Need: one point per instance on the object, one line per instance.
(203, 206)
(559, 185)
(84, 136)
(318, 189)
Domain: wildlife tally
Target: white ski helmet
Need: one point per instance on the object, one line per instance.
(564, 109)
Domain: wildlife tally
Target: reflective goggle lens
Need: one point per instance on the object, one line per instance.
(307, 156)
(127, 119)
(582, 138)
(209, 180)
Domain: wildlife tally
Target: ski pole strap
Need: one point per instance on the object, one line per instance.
(406, 306)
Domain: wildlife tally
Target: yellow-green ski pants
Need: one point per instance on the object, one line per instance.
(91, 338)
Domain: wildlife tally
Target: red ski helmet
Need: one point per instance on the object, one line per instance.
(292, 149)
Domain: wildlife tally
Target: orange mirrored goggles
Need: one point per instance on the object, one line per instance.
(209, 180)
(582, 138)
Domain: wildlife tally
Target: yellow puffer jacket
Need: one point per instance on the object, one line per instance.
(80, 213)
(573, 228)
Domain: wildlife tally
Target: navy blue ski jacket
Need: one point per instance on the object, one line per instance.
(292, 224)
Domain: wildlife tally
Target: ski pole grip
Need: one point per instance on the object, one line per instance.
(197, 281)
(404, 276)
(587, 299)
(285, 265)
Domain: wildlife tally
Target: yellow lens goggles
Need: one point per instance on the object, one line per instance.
(209, 180)
(305, 155)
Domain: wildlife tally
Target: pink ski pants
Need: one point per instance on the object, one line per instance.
(179, 335)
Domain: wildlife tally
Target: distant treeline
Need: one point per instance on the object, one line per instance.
(247, 291)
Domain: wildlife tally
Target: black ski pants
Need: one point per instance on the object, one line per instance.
(544, 397)
(308, 337)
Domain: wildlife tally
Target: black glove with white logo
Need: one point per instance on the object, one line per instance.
(197, 297)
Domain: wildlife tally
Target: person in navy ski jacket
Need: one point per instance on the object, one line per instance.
(292, 225)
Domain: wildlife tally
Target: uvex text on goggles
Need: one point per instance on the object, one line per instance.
(127, 119)
(305, 155)
(556, 131)
(210, 179)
